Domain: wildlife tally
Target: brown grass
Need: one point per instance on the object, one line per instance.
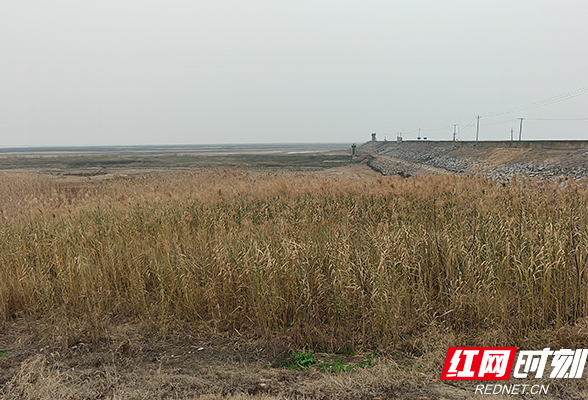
(334, 263)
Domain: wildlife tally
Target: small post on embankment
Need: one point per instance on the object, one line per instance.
(477, 127)
(521, 129)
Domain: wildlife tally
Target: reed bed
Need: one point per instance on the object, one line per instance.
(333, 262)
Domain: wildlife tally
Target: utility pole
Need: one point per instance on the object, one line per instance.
(477, 127)
(454, 126)
(521, 129)
(511, 132)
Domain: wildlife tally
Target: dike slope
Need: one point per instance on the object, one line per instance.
(499, 160)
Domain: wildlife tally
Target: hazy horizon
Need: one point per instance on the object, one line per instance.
(119, 73)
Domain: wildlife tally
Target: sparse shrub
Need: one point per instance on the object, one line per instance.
(302, 360)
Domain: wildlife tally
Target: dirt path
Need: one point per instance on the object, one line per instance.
(396, 166)
(360, 171)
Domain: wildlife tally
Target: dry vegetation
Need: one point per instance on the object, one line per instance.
(333, 264)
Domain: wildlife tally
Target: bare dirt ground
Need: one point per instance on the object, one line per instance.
(135, 361)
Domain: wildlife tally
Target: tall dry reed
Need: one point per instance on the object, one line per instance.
(334, 262)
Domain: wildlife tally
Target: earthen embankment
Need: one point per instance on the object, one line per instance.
(496, 159)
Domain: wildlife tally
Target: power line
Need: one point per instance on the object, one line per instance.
(541, 103)
(437, 129)
(558, 119)
(469, 125)
(500, 122)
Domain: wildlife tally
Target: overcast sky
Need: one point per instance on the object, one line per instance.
(124, 72)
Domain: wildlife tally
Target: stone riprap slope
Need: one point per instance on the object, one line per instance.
(499, 160)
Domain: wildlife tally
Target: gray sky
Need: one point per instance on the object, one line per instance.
(123, 72)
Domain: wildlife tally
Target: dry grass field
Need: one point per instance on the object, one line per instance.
(201, 284)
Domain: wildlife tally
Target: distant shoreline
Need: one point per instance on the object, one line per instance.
(262, 148)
